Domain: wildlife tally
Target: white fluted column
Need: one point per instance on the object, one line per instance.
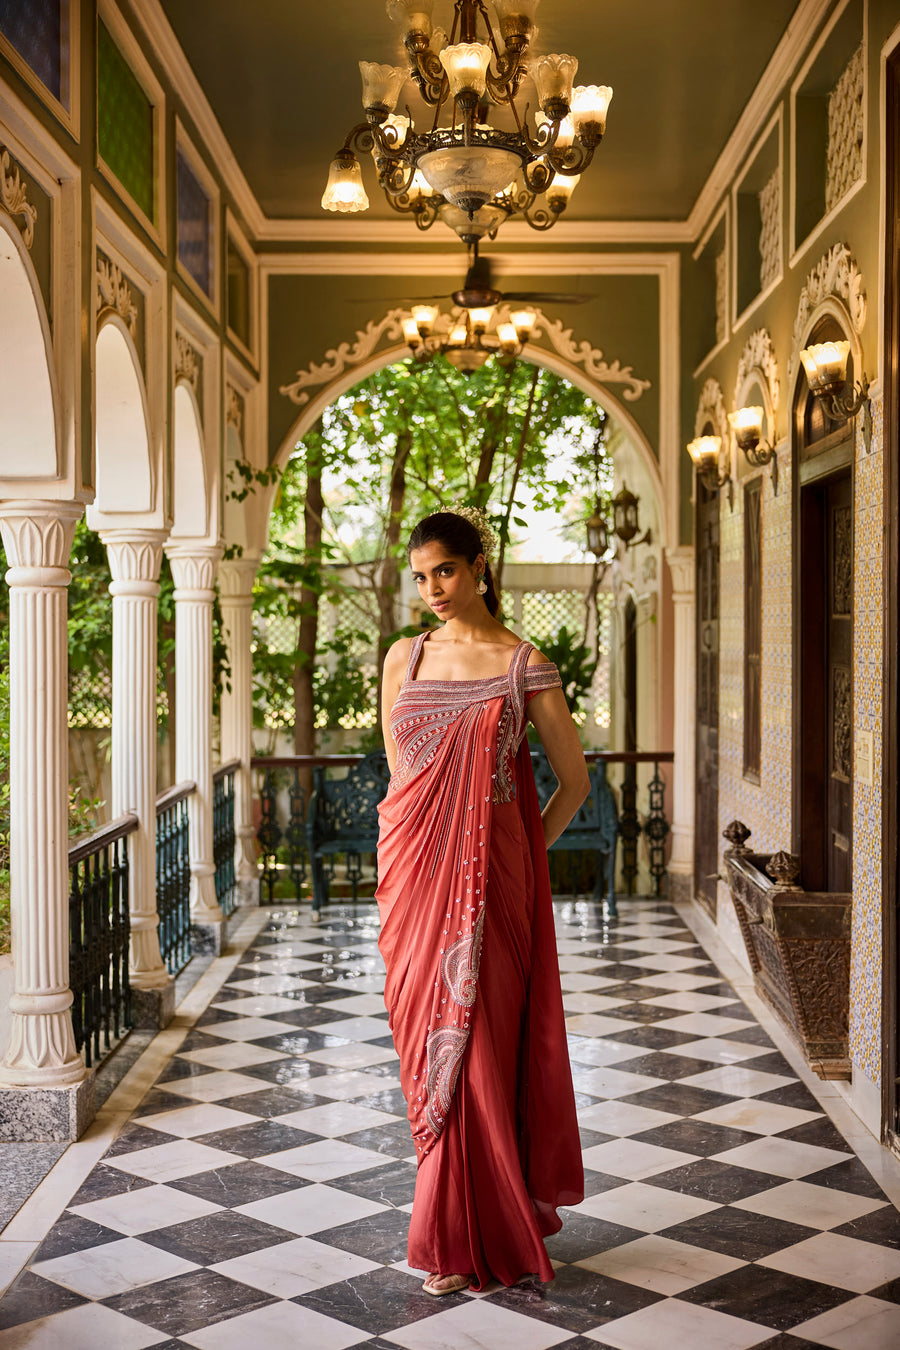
(194, 573)
(681, 862)
(134, 562)
(37, 536)
(236, 578)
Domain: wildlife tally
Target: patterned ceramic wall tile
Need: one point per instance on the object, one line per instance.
(866, 959)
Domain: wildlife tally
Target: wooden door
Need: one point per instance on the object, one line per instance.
(826, 669)
(706, 815)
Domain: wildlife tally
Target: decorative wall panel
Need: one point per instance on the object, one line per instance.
(843, 160)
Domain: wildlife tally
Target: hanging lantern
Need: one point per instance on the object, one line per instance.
(625, 517)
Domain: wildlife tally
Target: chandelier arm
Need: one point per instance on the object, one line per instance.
(573, 160)
(393, 181)
(359, 138)
(541, 219)
(538, 175)
(425, 215)
(545, 140)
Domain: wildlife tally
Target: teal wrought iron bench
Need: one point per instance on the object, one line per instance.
(595, 828)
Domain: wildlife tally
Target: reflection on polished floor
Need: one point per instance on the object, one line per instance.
(249, 1182)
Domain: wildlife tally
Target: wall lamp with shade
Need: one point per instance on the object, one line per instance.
(705, 451)
(747, 424)
(625, 525)
(825, 364)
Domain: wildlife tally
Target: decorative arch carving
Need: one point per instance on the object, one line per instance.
(711, 408)
(388, 329)
(836, 277)
(758, 355)
(187, 362)
(114, 294)
(14, 196)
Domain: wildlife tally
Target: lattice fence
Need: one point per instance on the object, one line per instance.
(770, 231)
(846, 120)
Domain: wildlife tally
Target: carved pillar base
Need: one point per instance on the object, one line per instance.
(46, 1114)
(153, 1009)
(681, 886)
(681, 861)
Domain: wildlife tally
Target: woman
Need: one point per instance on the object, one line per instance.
(467, 922)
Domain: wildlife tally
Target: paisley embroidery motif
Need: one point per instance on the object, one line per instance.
(460, 964)
(444, 1047)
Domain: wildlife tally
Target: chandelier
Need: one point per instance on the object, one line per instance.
(468, 338)
(462, 170)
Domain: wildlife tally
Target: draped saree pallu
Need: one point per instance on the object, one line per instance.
(472, 977)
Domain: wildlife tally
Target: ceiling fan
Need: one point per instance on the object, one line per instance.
(479, 292)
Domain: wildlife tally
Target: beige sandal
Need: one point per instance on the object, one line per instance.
(456, 1283)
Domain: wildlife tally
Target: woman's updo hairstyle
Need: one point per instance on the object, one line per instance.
(461, 539)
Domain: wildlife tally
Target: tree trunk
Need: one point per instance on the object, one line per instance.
(490, 442)
(389, 581)
(517, 469)
(307, 637)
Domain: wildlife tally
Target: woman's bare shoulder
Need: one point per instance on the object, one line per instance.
(536, 658)
(397, 656)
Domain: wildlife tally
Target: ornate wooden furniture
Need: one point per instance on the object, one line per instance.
(798, 944)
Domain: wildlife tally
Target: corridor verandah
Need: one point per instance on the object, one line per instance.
(261, 1186)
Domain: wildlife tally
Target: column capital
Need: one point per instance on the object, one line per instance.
(134, 555)
(194, 569)
(236, 576)
(681, 565)
(37, 536)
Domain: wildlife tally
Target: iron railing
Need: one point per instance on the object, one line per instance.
(173, 876)
(99, 933)
(223, 835)
(654, 825)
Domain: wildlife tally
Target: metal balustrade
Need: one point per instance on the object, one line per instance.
(173, 876)
(654, 825)
(99, 934)
(224, 836)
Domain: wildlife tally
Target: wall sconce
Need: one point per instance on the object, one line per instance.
(746, 424)
(825, 364)
(597, 532)
(704, 451)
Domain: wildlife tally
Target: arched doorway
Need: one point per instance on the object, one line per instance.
(28, 435)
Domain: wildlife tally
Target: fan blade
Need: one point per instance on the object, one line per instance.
(407, 300)
(548, 297)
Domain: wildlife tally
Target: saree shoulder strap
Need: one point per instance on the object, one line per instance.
(415, 651)
(517, 681)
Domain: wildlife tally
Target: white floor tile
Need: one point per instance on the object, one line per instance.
(285, 965)
(250, 1028)
(202, 1118)
(358, 1005)
(660, 1264)
(657, 943)
(582, 1002)
(680, 979)
(597, 1024)
(294, 1268)
(258, 1005)
(291, 947)
(574, 983)
(136, 1212)
(676, 1324)
(600, 1050)
(717, 1051)
(704, 1024)
(841, 1261)
(311, 1209)
(781, 1157)
(860, 1324)
(758, 1117)
(667, 962)
(336, 1118)
(621, 1118)
(649, 1208)
(346, 1086)
(354, 1028)
(689, 1000)
(280, 1326)
(112, 1268)
(324, 1160)
(578, 963)
(737, 1080)
(606, 1081)
(477, 1325)
(84, 1328)
(234, 1055)
(632, 1159)
(270, 984)
(817, 1206)
(358, 1055)
(213, 1087)
(168, 1162)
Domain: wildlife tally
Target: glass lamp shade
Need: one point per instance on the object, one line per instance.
(523, 320)
(825, 364)
(516, 18)
(480, 318)
(485, 219)
(553, 76)
(381, 86)
(566, 134)
(345, 191)
(459, 335)
(424, 316)
(590, 104)
(508, 337)
(414, 15)
(469, 175)
(704, 451)
(466, 65)
(597, 533)
(625, 514)
(419, 187)
(747, 426)
(467, 359)
(397, 127)
(410, 331)
(560, 190)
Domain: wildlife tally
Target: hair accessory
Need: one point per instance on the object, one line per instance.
(475, 516)
(480, 586)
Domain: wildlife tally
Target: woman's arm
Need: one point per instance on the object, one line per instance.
(551, 717)
(391, 680)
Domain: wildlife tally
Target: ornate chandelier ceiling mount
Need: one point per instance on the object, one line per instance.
(462, 170)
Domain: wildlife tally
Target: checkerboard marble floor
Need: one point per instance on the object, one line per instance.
(260, 1194)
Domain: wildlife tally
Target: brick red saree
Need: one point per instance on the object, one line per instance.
(472, 978)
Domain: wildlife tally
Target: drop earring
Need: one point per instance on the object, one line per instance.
(480, 586)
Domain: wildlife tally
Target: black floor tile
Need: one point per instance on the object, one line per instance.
(596, 1182)
(378, 1301)
(637, 1011)
(715, 1181)
(582, 1236)
(890, 1292)
(183, 1068)
(394, 1184)
(661, 1064)
(881, 1226)
(134, 1137)
(157, 1101)
(105, 1181)
(852, 1176)
(679, 1099)
(240, 1183)
(770, 1297)
(187, 1302)
(792, 1094)
(258, 1139)
(391, 1101)
(298, 1042)
(774, 1063)
(380, 1237)
(200, 1040)
(752, 1035)
(72, 1233)
(785, 1341)
(287, 1072)
(217, 1237)
(272, 1102)
(653, 1038)
(696, 1136)
(30, 1297)
(207, 1019)
(821, 1133)
(394, 1139)
(576, 1300)
(738, 1233)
